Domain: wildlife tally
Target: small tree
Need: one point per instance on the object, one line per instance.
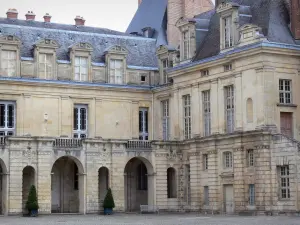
(32, 202)
(109, 202)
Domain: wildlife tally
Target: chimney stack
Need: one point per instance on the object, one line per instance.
(30, 15)
(79, 21)
(47, 18)
(12, 14)
(218, 2)
(295, 19)
(139, 1)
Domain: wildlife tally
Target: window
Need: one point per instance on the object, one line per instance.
(227, 67)
(143, 123)
(164, 70)
(7, 118)
(286, 123)
(9, 63)
(251, 194)
(250, 157)
(229, 108)
(284, 179)
(186, 45)
(171, 182)
(142, 180)
(46, 66)
(204, 73)
(143, 78)
(116, 71)
(165, 119)
(205, 162)
(227, 159)
(187, 116)
(76, 186)
(80, 121)
(206, 112)
(81, 68)
(206, 195)
(227, 23)
(285, 91)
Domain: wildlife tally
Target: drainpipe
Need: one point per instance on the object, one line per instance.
(152, 122)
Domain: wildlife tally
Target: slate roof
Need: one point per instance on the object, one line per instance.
(271, 15)
(151, 13)
(141, 51)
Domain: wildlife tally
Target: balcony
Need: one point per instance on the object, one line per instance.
(137, 144)
(67, 143)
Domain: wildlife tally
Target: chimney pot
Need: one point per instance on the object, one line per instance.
(79, 21)
(47, 18)
(30, 15)
(12, 14)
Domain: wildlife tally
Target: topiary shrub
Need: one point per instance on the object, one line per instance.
(109, 202)
(32, 202)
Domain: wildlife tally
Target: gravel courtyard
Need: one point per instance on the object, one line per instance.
(132, 219)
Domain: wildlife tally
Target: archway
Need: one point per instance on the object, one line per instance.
(28, 179)
(138, 184)
(67, 186)
(103, 185)
(3, 188)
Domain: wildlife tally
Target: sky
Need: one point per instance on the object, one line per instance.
(112, 14)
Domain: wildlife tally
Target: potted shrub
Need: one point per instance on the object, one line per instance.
(32, 202)
(108, 203)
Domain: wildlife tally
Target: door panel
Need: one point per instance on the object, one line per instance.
(286, 123)
(228, 198)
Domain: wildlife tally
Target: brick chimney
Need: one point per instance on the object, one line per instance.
(218, 2)
(30, 15)
(79, 21)
(12, 14)
(295, 18)
(139, 1)
(47, 18)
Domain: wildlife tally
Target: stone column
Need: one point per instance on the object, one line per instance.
(175, 116)
(82, 193)
(161, 180)
(238, 103)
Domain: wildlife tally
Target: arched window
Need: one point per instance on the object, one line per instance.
(249, 110)
(142, 179)
(171, 183)
(227, 159)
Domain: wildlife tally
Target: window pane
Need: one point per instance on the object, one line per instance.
(82, 119)
(75, 118)
(2, 115)
(10, 116)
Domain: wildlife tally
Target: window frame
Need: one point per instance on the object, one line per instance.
(80, 66)
(185, 44)
(164, 67)
(3, 60)
(143, 124)
(284, 178)
(6, 130)
(80, 132)
(229, 94)
(46, 74)
(187, 116)
(228, 32)
(205, 162)
(251, 194)
(206, 107)
(250, 158)
(284, 92)
(227, 160)
(112, 69)
(166, 119)
(206, 195)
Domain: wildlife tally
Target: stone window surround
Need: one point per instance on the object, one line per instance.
(284, 182)
(231, 109)
(205, 162)
(285, 92)
(163, 53)
(171, 183)
(79, 131)
(80, 53)
(8, 130)
(250, 158)
(144, 124)
(15, 48)
(187, 116)
(251, 188)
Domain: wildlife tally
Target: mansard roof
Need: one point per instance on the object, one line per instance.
(270, 15)
(141, 50)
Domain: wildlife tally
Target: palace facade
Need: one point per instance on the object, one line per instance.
(193, 110)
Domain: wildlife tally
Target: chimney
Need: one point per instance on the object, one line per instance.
(30, 15)
(79, 21)
(218, 2)
(47, 18)
(12, 14)
(139, 1)
(295, 20)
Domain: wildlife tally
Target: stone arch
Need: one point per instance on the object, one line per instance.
(3, 188)
(171, 183)
(28, 179)
(249, 105)
(138, 183)
(67, 186)
(103, 184)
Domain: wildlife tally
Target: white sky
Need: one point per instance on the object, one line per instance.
(112, 14)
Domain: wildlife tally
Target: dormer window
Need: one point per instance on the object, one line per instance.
(228, 40)
(46, 66)
(186, 45)
(116, 71)
(9, 63)
(81, 68)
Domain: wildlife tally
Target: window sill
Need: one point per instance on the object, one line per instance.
(287, 105)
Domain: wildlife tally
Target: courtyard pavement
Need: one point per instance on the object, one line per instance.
(163, 219)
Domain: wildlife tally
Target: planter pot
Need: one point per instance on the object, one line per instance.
(33, 213)
(108, 211)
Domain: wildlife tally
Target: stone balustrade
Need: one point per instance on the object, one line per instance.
(137, 144)
(2, 140)
(67, 143)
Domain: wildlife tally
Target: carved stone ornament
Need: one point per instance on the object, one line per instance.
(47, 43)
(172, 155)
(82, 46)
(117, 49)
(4, 39)
(224, 6)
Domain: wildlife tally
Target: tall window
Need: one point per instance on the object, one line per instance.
(205, 162)
(250, 157)
(228, 40)
(142, 179)
(187, 116)
(165, 119)
(116, 71)
(46, 66)
(81, 68)
(143, 124)
(229, 108)
(9, 63)
(80, 121)
(206, 195)
(171, 183)
(227, 159)
(206, 112)
(186, 44)
(285, 91)
(251, 194)
(284, 182)
(7, 118)
(164, 70)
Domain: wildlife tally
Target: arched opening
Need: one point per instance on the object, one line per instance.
(103, 185)
(28, 180)
(3, 188)
(139, 184)
(171, 183)
(67, 186)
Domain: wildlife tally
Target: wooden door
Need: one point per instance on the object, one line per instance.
(228, 198)
(286, 123)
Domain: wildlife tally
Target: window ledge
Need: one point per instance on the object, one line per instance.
(286, 105)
